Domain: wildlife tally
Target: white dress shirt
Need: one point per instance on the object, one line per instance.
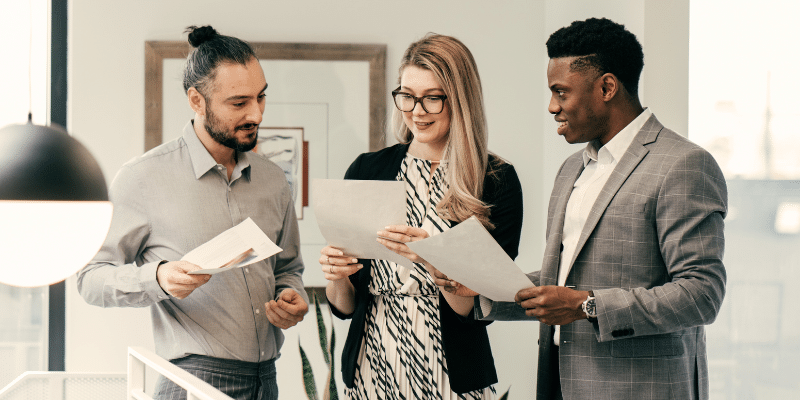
(598, 165)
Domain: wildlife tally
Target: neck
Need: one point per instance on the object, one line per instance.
(622, 115)
(426, 151)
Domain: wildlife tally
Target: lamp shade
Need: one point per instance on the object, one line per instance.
(54, 206)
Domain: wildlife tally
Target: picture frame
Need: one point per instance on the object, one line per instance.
(156, 52)
(326, 101)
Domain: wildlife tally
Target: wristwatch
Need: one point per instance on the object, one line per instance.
(589, 306)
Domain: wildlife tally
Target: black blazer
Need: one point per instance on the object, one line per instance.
(464, 340)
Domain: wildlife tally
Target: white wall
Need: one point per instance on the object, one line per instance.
(106, 112)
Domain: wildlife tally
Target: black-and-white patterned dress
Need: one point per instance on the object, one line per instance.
(401, 356)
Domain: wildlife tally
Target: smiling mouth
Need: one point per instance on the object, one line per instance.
(422, 124)
(248, 128)
(562, 125)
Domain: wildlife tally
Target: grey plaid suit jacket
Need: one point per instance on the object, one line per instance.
(651, 251)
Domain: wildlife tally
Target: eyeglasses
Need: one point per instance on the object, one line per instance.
(432, 104)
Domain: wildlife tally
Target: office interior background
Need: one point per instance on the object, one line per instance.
(721, 72)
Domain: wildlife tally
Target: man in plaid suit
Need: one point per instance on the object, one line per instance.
(632, 268)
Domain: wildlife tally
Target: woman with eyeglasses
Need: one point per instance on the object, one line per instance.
(410, 338)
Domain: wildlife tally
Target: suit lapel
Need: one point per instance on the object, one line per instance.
(566, 180)
(633, 156)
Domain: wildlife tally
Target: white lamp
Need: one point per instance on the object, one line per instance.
(54, 208)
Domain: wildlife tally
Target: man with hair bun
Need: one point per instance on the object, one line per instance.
(632, 269)
(227, 328)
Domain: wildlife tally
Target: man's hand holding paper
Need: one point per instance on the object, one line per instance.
(175, 280)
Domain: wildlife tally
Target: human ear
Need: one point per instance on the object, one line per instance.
(196, 101)
(609, 84)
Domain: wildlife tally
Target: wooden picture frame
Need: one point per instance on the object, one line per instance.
(375, 54)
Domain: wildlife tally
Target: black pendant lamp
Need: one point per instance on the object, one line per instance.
(54, 205)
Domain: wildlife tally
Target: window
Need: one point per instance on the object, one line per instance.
(24, 311)
(744, 108)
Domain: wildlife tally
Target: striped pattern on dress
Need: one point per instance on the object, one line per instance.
(401, 356)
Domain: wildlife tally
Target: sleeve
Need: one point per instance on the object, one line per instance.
(112, 278)
(289, 265)
(691, 205)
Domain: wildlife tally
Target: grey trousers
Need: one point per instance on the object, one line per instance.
(240, 380)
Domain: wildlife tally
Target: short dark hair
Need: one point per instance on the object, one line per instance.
(210, 50)
(603, 45)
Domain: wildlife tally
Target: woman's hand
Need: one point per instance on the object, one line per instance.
(336, 265)
(395, 237)
(450, 286)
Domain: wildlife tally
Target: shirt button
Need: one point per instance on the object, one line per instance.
(247, 270)
(229, 188)
(258, 311)
(262, 353)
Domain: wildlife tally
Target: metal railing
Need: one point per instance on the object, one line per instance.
(33, 385)
(140, 358)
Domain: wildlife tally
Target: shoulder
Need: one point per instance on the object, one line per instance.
(157, 156)
(384, 155)
(377, 164)
(500, 173)
(678, 152)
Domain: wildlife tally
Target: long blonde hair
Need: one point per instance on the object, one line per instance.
(466, 153)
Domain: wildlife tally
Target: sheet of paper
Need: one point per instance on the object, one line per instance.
(469, 255)
(351, 212)
(241, 245)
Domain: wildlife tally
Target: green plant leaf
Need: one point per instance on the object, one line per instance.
(308, 376)
(322, 330)
(332, 393)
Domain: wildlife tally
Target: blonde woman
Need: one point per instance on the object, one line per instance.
(409, 339)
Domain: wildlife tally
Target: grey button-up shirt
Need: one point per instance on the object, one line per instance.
(173, 199)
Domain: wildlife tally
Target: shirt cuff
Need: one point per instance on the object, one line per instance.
(483, 307)
(147, 276)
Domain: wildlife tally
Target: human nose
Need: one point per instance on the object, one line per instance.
(553, 107)
(255, 112)
(418, 109)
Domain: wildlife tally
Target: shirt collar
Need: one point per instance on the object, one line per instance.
(618, 145)
(202, 162)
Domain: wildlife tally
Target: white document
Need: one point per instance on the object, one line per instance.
(469, 255)
(351, 212)
(241, 245)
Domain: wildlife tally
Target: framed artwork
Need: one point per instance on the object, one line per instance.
(286, 148)
(325, 105)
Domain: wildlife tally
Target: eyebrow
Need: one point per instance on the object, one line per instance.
(232, 98)
(424, 92)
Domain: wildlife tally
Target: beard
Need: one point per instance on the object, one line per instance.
(225, 137)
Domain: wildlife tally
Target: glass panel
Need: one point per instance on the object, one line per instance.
(23, 331)
(23, 311)
(744, 108)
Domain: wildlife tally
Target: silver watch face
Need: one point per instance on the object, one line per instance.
(590, 307)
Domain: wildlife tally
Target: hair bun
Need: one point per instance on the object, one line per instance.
(200, 35)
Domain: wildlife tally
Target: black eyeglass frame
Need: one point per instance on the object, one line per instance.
(417, 100)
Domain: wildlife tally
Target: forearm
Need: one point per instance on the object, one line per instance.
(341, 295)
(108, 285)
(462, 305)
